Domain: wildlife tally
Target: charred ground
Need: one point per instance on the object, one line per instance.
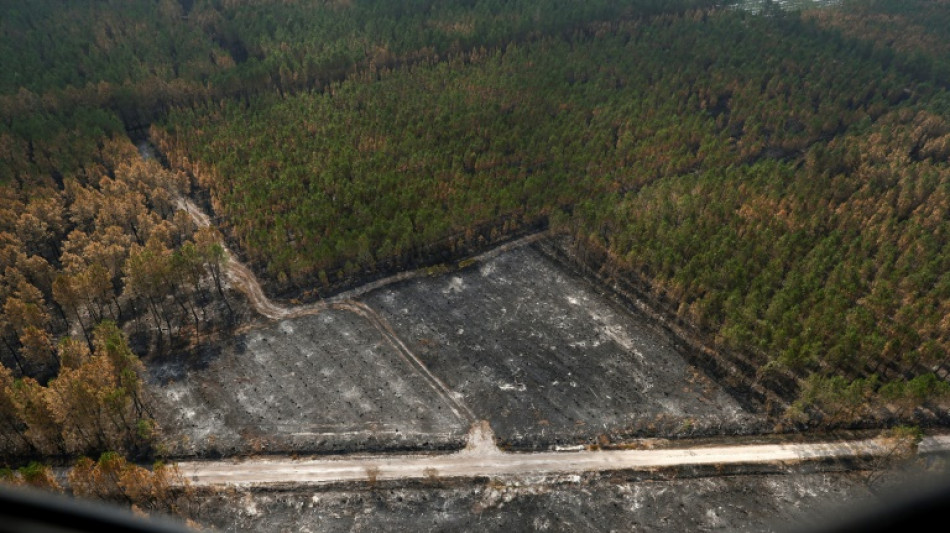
(318, 384)
(745, 502)
(548, 359)
(517, 340)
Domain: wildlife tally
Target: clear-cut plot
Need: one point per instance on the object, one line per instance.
(546, 358)
(321, 383)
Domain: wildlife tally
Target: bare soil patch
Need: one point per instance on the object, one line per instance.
(324, 383)
(550, 360)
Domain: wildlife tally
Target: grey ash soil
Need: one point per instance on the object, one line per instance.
(549, 360)
(519, 340)
(575, 503)
(323, 383)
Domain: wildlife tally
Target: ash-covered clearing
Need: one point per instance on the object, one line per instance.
(518, 339)
(578, 503)
(548, 360)
(323, 383)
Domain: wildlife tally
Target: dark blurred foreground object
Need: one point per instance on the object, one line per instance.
(920, 505)
(25, 510)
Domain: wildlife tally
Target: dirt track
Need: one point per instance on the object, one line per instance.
(482, 458)
(245, 280)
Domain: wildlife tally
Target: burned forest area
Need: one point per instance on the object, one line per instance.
(553, 265)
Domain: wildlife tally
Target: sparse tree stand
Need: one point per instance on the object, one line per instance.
(113, 478)
(36, 475)
(94, 404)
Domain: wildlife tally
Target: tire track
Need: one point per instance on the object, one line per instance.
(460, 410)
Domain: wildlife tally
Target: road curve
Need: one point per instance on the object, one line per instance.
(242, 278)
(483, 459)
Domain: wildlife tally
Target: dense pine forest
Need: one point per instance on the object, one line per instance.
(784, 185)
(778, 179)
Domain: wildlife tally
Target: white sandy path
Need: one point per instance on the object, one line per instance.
(482, 458)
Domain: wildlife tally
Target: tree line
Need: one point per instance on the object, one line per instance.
(94, 256)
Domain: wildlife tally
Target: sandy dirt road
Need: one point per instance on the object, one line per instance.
(244, 279)
(482, 458)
